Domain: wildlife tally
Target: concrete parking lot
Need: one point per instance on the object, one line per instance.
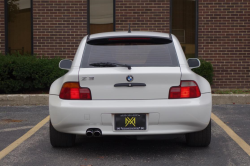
(123, 151)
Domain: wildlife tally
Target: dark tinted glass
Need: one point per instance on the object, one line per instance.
(134, 54)
(184, 24)
(19, 26)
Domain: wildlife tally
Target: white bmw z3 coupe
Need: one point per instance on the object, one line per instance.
(130, 83)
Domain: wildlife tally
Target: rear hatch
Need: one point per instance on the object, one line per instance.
(153, 61)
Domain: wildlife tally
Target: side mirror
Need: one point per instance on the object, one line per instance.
(193, 63)
(65, 64)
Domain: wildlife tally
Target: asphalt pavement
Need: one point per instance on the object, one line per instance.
(122, 151)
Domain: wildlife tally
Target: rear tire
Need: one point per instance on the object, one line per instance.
(58, 139)
(201, 138)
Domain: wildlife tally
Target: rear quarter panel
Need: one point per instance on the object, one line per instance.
(71, 76)
(186, 72)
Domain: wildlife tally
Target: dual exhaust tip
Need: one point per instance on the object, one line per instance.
(93, 133)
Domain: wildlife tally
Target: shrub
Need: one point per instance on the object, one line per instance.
(205, 70)
(20, 73)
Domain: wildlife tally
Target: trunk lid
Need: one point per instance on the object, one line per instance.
(101, 82)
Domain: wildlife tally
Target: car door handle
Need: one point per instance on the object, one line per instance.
(129, 84)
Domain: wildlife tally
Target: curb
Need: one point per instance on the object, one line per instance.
(219, 99)
(43, 99)
(20, 100)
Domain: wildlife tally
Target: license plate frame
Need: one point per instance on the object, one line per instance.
(130, 121)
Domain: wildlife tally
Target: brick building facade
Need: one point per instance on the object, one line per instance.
(224, 40)
(223, 30)
(143, 15)
(58, 27)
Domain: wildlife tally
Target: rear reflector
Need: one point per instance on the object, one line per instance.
(72, 91)
(187, 89)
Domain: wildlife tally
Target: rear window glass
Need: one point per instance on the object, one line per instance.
(133, 53)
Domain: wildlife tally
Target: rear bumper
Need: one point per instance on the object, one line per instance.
(163, 116)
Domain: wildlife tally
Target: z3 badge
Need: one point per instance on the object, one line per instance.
(86, 78)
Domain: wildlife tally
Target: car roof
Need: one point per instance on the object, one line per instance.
(126, 34)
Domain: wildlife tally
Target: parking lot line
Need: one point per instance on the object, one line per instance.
(15, 144)
(32, 131)
(232, 134)
(16, 128)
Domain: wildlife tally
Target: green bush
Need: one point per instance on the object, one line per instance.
(19, 73)
(205, 70)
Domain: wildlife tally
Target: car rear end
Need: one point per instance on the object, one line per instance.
(158, 95)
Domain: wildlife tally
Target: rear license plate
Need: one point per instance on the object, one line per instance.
(130, 121)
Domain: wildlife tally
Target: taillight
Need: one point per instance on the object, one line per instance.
(187, 89)
(72, 91)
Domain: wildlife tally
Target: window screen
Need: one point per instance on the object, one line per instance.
(134, 54)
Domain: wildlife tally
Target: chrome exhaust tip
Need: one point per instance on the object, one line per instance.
(89, 133)
(97, 133)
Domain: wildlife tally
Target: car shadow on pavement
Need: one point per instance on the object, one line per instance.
(132, 145)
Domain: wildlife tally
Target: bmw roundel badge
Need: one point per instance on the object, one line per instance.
(130, 78)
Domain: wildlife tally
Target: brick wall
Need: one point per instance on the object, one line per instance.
(143, 15)
(224, 40)
(59, 26)
(2, 28)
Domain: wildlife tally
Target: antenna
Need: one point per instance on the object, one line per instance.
(170, 20)
(129, 31)
(88, 37)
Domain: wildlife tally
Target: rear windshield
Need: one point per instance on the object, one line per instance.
(136, 53)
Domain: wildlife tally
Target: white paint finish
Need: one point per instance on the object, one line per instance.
(218, 99)
(107, 119)
(126, 34)
(86, 116)
(175, 116)
(56, 86)
(71, 76)
(180, 53)
(165, 116)
(154, 118)
(158, 81)
(78, 56)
